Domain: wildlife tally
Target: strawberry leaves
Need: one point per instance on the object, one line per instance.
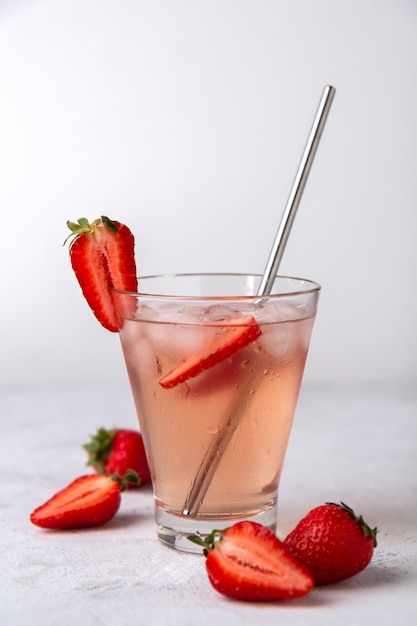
(209, 542)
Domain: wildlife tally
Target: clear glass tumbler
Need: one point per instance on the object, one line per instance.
(215, 371)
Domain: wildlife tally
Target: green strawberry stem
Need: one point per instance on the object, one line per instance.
(209, 542)
(130, 477)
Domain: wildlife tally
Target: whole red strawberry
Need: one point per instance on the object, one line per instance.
(332, 542)
(248, 562)
(102, 256)
(117, 451)
(90, 500)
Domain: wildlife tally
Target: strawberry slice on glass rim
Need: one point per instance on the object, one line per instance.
(102, 256)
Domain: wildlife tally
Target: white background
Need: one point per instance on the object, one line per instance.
(186, 119)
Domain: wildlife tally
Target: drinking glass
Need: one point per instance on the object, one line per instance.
(215, 372)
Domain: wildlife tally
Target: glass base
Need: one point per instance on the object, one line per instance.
(173, 530)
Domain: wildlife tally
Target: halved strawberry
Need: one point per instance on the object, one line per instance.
(238, 333)
(248, 562)
(90, 500)
(102, 256)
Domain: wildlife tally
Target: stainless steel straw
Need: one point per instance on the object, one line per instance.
(215, 451)
(296, 192)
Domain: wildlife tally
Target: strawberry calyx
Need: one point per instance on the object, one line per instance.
(123, 481)
(209, 542)
(84, 227)
(99, 448)
(366, 529)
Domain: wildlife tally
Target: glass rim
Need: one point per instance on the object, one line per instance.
(313, 287)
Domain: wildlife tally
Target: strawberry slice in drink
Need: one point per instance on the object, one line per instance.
(238, 333)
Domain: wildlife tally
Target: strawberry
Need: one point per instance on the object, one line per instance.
(102, 256)
(117, 451)
(248, 562)
(332, 542)
(238, 333)
(90, 500)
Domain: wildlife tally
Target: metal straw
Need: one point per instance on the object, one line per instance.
(230, 422)
(296, 192)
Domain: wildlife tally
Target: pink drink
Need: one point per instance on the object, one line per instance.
(251, 396)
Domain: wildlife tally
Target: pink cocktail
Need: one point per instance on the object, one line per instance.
(215, 419)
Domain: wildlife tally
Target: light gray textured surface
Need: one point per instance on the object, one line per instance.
(353, 444)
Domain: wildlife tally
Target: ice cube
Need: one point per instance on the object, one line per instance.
(219, 312)
(275, 339)
(272, 311)
(136, 347)
(175, 334)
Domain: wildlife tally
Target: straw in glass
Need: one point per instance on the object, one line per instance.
(214, 453)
